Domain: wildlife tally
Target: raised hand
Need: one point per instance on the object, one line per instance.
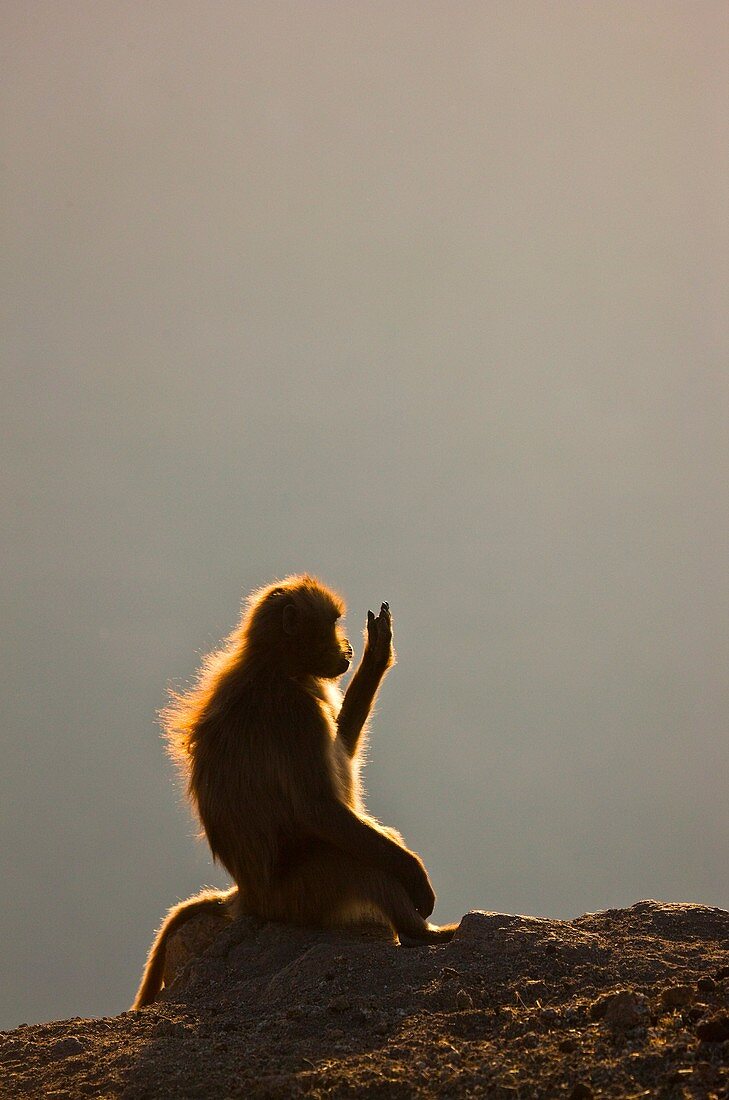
(379, 650)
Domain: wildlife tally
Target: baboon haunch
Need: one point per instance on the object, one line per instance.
(270, 750)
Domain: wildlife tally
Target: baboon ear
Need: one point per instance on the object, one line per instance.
(290, 618)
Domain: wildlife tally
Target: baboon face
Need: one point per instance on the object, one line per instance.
(323, 648)
(340, 653)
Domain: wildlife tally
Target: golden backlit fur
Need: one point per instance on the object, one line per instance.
(270, 750)
(212, 902)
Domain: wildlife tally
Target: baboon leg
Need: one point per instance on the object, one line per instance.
(435, 933)
(329, 888)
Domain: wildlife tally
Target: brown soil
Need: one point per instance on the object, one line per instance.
(626, 1003)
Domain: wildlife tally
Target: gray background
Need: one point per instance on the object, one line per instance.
(426, 298)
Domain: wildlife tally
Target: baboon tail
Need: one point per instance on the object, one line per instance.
(211, 901)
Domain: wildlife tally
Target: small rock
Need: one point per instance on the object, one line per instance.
(706, 985)
(168, 1028)
(623, 1009)
(581, 1091)
(464, 1000)
(64, 1048)
(715, 1030)
(567, 1046)
(722, 973)
(339, 1004)
(676, 996)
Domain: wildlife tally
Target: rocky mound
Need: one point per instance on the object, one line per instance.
(628, 1002)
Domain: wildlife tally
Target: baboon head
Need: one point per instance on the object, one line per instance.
(295, 623)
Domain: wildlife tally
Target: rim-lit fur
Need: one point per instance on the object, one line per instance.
(214, 902)
(270, 751)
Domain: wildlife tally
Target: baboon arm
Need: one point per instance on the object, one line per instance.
(357, 703)
(378, 656)
(339, 826)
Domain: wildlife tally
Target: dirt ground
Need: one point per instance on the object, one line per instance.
(624, 1003)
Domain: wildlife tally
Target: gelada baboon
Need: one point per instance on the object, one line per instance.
(270, 749)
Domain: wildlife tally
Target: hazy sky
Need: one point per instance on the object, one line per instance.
(429, 299)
